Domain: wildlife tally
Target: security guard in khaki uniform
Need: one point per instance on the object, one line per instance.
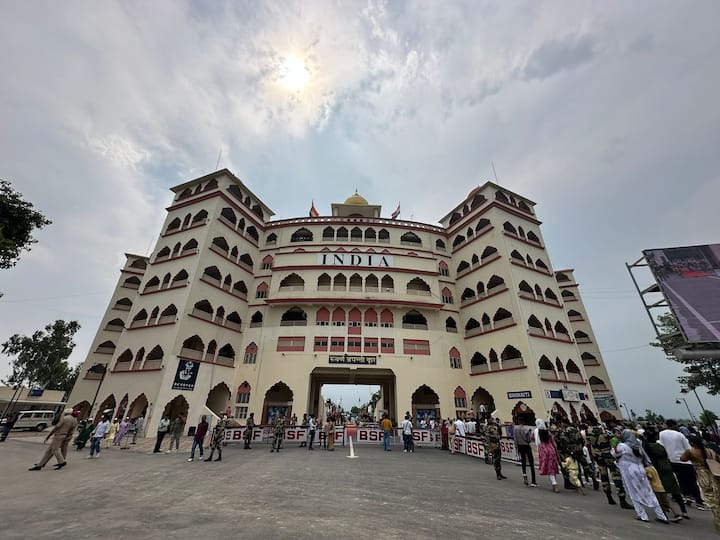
(62, 434)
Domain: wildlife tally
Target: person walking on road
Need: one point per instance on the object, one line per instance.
(278, 432)
(176, 431)
(331, 435)
(139, 421)
(407, 433)
(199, 438)
(523, 435)
(386, 426)
(162, 430)
(249, 428)
(98, 435)
(548, 456)
(218, 436)
(493, 447)
(62, 434)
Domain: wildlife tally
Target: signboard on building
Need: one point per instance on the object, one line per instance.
(606, 402)
(375, 260)
(570, 395)
(186, 375)
(522, 394)
(353, 360)
(35, 392)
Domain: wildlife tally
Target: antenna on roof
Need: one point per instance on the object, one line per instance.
(495, 173)
(217, 165)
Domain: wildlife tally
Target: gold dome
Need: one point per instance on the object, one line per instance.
(356, 200)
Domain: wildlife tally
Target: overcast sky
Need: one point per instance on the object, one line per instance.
(606, 114)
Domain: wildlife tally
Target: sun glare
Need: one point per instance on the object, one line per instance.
(293, 73)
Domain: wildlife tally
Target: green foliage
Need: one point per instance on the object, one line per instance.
(18, 220)
(652, 418)
(41, 359)
(708, 418)
(701, 371)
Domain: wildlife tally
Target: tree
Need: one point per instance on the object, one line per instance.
(41, 359)
(651, 417)
(708, 418)
(700, 371)
(18, 220)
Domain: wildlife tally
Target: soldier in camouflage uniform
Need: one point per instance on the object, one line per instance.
(278, 432)
(481, 431)
(493, 446)
(249, 428)
(598, 440)
(218, 436)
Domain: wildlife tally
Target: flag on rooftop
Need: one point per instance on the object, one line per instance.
(313, 210)
(396, 213)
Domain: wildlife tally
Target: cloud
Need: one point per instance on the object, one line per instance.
(556, 56)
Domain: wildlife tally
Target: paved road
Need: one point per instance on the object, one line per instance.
(299, 494)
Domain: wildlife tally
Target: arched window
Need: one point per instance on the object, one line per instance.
(548, 327)
(533, 237)
(447, 296)
(252, 233)
(370, 318)
(581, 337)
(524, 207)
(240, 288)
(572, 367)
(293, 282)
(472, 324)
(256, 319)
(328, 234)
(477, 201)
(383, 236)
(480, 288)
(468, 294)
(439, 244)
(243, 393)
(370, 235)
(342, 234)
(387, 284)
(529, 260)
(267, 262)
(502, 315)
(495, 281)
(234, 253)
(561, 277)
(170, 311)
(152, 284)
(568, 295)
(538, 292)
(510, 353)
(186, 220)
(155, 354)
(233, 321)
(173, 225)
(340, 282)
(478, 360)
(164, 253)
(459, 239)
(469, 232)
(560, 329)
(302, 235)
(508, 227)
(180, 277)
(386, 319)
(338, 317)
(462, 267)
(133, 282)
(443, 269)
(525, 287)
(210, 351)
(235, 192)
(450, 325)
(515, 254)
(418, 286)
(271, 239)
(139, 356)
(485, 320)
(521, 232)
(294, 316)
(176, 250)
(550, 295)
(228, 215)
(540, 264)
(535, 325)
(193, 343)
(547, 370)
(211, 273)
(482, 224)
(154, 315)
(494, 360)
(355, 283)
(560, 369)
(589, 359)
(410, 238)
(455, 359)
(356, 234)
(323, 282)
(250, 354)
(227, 353)
(200, 216)
(371, 283)
(246, 259)
(475, 260)
(455, 217)
(166, 280)
(354, 321)
(126, 356)
(204, 309)
(212, 184)
(262, 290)
(500, 196)
(415, 320)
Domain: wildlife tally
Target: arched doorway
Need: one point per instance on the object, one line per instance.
(138, 407)
(484, 398)
(558, 414)
(278, 399)
(522, 414)
(107, 405)
(586, 413)
(178, 406)
(121, 408)
(425, 404)
(574, 415)
(83, 408)
(607, 417)
(218, 399)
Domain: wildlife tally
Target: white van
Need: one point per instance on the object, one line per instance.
(34, 420)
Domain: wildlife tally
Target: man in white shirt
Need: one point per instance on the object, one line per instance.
(675, 444)
(98, 435)
(312, 426)
(459, 427)
(407, 433)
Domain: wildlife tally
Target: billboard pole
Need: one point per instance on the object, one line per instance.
(654, 288)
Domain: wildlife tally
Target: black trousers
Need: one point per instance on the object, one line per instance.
(312, 438)
(526, 458)
(688, 481)
(158, 442)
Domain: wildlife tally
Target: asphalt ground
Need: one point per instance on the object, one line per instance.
(299, 494)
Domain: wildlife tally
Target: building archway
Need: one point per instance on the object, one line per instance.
(558, 413)
(607, 417)
(586, 413)
(138, 407)
(108, 405)
(278, 399)
(574, 415)
(83, 408)
(218, 399)
(176, 407)
(483, 397)
(425, 404)
(522, 414)
(121, 408)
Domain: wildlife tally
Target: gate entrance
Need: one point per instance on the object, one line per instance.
(384, 378)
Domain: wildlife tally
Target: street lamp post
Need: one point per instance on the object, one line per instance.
(705, 414)
(692, 417)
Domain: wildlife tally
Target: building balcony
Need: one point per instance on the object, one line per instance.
(480, 368)
(419, 292)
(293, 323)
(192, 354)
(153, 364)
(409, 326)
(123, 366)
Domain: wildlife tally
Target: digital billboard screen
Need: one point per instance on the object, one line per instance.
(690, 280)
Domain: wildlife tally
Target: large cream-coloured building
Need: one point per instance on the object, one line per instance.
(235, 310)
